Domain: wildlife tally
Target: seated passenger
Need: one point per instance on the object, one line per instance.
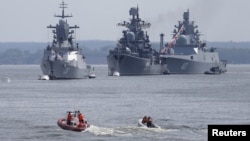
(145, 120)
(150, 122)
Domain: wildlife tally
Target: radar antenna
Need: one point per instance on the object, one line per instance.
(63, 6)
(135, 23)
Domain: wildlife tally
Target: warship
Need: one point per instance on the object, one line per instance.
(133, 54)
(63, 59)
(187, 54)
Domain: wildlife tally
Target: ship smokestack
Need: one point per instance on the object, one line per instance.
(161, 41)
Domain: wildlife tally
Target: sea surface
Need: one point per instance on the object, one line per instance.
(182, 105)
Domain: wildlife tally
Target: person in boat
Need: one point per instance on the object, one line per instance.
(150, 122)
(145, 120)
(80, 117)
(69, 118)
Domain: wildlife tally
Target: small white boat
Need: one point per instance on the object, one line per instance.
(92, 75)
(214, 70)
(116, 73)
(43, 77)
(140, 124)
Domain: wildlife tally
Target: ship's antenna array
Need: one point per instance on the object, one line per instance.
(63, 6)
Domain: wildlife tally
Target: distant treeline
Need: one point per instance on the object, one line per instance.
(96, 51)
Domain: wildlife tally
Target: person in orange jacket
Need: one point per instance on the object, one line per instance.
(69, 118)
(80, 117)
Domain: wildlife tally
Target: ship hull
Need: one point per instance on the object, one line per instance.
(127, 64)
(63, 70)
(185, 66)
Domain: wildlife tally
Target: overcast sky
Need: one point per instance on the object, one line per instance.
(218, 20)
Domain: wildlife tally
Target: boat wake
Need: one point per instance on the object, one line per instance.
(100, 130)
(123, 131)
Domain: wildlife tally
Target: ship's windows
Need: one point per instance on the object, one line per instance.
(192, 57)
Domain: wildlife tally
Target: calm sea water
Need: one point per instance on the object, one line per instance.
(183, 105)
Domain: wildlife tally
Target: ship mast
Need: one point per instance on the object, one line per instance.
(136, 24)
(63, 6)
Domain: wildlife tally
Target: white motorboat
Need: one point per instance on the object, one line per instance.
(140, 124)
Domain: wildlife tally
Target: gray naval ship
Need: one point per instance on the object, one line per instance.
(187, 54)
(133, 54)
(62, 59)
